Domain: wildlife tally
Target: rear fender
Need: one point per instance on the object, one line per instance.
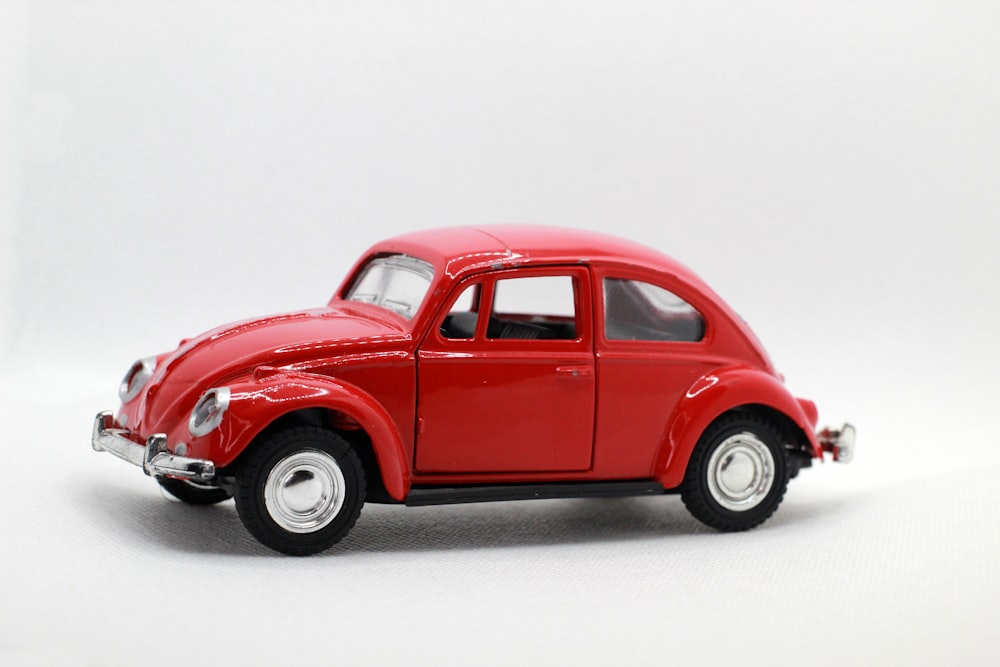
(273, 393)
(715, 394)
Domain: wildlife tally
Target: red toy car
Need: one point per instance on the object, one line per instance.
(474, 364)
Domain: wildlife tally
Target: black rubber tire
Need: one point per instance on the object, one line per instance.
(194, 494)
(251, 479)
(695, 489)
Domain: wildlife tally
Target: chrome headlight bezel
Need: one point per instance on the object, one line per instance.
(136, 378)
(208, 412)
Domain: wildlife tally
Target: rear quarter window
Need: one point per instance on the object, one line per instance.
(637, 310)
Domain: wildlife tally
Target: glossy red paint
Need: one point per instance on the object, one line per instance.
(716, 393)
(618, 379)
(468, 388)
(258, 403)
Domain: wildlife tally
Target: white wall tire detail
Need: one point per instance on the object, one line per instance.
(737, 474)
(300, 490)
(304, 491)
(740, 472)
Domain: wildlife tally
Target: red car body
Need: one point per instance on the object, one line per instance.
(446, 396)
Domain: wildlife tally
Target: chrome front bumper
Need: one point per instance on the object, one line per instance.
(840, 442)
(153, 458)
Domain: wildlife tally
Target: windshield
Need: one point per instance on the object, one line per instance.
(397, 282)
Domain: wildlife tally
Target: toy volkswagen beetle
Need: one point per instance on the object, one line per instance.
(474, 364)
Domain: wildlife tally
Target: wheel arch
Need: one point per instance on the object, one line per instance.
(724, 392)
(261, 407)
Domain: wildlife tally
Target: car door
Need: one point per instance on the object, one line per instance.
(506, 378)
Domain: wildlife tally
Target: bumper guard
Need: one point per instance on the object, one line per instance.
(840, 442)
(153, 458)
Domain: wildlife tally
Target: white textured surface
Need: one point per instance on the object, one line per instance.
(831, 169)
(862, 563)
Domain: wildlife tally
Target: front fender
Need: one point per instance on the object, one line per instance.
(268, 396)
(717, 393)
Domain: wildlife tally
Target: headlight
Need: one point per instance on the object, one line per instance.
(208, 413)
(136, 378)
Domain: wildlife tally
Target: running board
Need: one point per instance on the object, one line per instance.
(491, 493)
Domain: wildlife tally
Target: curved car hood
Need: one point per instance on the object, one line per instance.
(219, 355)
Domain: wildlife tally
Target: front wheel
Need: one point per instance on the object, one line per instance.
(301, 490)
(737, 474)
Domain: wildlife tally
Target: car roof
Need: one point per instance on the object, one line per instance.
(460, 251)
(463, 249)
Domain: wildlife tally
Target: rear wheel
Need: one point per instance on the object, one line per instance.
(737, 474)
(193, 493)
(301, 490)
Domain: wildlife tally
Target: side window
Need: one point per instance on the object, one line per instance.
(635, 310)
(460, 323)
(534, 307)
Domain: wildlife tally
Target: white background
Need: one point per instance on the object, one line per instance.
(832, 169)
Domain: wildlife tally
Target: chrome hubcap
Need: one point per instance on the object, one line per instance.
(304, 491)
(740, 472)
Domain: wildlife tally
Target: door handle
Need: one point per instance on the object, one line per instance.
(576, 371)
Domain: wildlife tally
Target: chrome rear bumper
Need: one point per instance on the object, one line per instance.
(840, 442)
(153, 458)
